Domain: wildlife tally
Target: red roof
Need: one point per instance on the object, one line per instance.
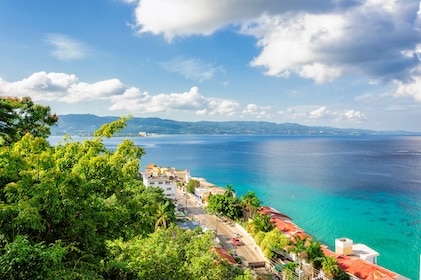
(224, 254)
(361, 268)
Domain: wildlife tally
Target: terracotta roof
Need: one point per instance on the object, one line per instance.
(273, 213)
(224, 254)
(360, 268)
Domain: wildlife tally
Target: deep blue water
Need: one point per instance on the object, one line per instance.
(365, 188)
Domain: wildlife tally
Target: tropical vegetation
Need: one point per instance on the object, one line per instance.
(79, 211)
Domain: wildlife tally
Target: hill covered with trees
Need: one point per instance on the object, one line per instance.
(85, 125)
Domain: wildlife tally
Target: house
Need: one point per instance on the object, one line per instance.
(359, 268)
(162, 177)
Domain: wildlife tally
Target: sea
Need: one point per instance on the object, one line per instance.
(365, 188)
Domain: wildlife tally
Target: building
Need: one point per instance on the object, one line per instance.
(360, 261)
(162, 177)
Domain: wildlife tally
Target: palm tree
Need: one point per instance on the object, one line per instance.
(165, 215)
(229, 191)
(299, 247)
(262, 223)
(250, 202)
(330, 266)
(289, 270)
(315, 253)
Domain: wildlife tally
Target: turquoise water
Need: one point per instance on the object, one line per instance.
(365, 188)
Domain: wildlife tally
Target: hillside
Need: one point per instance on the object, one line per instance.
(86, 124)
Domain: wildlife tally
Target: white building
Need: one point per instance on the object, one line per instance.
(345, 246)
(163, 178)
(166, 185)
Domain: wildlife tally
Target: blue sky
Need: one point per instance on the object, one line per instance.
(341, 63)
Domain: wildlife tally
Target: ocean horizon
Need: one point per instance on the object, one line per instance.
(365, 188)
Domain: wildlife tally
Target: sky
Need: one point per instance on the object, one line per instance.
(338, 63)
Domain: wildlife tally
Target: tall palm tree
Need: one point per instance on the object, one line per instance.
(250, 202)
(165, 215)
(262, 223)
(315, 253)
(229, 191)
(330, 266)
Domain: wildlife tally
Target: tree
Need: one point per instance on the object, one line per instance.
(76, 192)
(262, 223)
(21, 116)
(289, 271)
(192, 185)
(165, 215)
(315, 253)
(172, 254)
(225, 205)
(330, 266)
(250, 202)
(273, 238)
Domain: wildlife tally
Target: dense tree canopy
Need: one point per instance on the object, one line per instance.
(173, 254)
(79, 211)
(225, 204)
(21, 116)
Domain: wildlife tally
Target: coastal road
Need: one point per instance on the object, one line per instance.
(224, 229)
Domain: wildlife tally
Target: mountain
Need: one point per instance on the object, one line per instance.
(86, 124)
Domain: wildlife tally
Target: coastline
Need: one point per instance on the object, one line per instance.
(356, 264)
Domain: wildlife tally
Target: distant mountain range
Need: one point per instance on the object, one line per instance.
(86, 124)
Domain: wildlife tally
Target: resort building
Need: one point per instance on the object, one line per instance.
(163, 177)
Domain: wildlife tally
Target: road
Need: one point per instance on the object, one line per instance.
(224, 230)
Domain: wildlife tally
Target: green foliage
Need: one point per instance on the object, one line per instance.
(315, 253)
(272, 239)
(21, 116)
(262, 222)
(192, 185)
(171, 254)
(250, 203)
(331, 269)
(225, 204)
(22, 260)
(75, 192)
(258, 237)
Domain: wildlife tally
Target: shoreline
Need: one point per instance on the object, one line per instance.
(356, 264)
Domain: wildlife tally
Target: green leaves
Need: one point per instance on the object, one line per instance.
(21, 116)
(170, 254)
(225, 204)
(22, 260)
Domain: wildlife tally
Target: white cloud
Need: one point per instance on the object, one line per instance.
(66, 48)
(187, 17)
(309, 113)
(410, 88)
(64, 88)
(320, 113)
(40, 86)
(352, 115)
(319, 72)
(190, 68)
(99, 90)
(319, 42)
(135, 101)
(257, 111)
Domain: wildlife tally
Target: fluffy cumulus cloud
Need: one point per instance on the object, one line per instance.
(309, 113)
(191, 68)
(319, 42)
(65, 88)
(134, 100)
(257, 111)
(66, 48)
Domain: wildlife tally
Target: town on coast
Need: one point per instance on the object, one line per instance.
(356, 260)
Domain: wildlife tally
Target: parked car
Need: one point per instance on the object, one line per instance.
(236, 241)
